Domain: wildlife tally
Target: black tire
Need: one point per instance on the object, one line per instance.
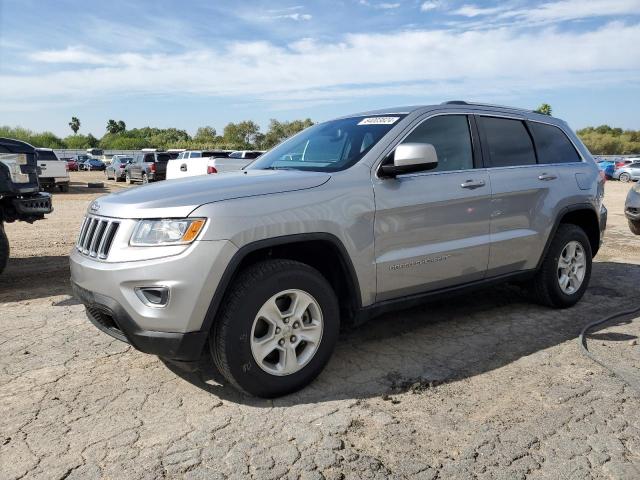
(546, 287)
(64, 188)
(4, 249)
(634, 227)
(229, 341)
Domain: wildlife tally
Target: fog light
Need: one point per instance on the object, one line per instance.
(153, 296)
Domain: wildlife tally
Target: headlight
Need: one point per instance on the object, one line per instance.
(171, 231)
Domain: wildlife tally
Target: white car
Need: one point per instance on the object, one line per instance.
(52, 172)
(192, 163)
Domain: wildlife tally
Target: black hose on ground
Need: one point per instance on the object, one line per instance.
(632, 382)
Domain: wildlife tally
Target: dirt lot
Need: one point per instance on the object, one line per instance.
(485, 387)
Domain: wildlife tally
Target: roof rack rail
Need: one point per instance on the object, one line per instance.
(479, 104)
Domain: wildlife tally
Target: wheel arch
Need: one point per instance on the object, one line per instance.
(322, 251)
(582, 215)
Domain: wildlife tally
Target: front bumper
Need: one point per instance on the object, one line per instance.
(173, 331)
(110, 317)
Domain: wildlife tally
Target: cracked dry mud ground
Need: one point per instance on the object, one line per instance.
(484, 386)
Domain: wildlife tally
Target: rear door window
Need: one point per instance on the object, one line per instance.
(508, 142)
(552, 144)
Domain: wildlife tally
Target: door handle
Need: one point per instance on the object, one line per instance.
(183, 167)
(546, 177)
(471, 184)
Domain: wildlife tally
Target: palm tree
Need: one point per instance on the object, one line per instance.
(112, 126)
(75, 124)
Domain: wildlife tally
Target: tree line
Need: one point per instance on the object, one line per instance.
(602, 140)
(235, 136)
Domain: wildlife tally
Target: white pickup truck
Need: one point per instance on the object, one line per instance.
(191, 163)
(52, 172)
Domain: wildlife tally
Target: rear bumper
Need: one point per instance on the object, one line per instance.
(110, 317)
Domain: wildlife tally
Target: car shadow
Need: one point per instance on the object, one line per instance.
(35, 277)
(446, 341)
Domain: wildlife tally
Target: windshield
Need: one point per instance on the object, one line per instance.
(330, 146)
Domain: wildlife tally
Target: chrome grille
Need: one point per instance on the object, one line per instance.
(96, 236)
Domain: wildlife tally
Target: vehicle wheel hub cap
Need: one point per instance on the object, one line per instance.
(286, 332)
(572, 267)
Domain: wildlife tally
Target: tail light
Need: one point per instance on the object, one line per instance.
(122, 165)
(152, 168)
(211, 169)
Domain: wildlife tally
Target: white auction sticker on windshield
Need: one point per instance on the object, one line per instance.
(378, 121)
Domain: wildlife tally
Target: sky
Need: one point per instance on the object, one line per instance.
(191, 63)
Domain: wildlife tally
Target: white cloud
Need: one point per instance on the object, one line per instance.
(417, 63)
(381, 5)
(294, 16)
(430, 5)
(475, 11)
(550, 12)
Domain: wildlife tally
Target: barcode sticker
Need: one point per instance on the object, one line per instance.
(378, 121)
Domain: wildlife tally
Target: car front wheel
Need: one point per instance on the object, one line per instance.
(566, 268)
(625, 177)
(634, 226)
(277, 328)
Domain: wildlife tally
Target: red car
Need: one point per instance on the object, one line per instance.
(72, 164)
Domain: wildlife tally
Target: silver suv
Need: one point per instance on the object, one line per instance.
(345, 220)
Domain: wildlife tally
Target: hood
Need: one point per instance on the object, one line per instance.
(178, 198)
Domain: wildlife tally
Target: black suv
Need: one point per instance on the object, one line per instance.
(147, 167)
(20, 196)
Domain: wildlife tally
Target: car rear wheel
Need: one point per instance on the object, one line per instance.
(566, 269)
(277, 328)
(4, 249)
(625, 177)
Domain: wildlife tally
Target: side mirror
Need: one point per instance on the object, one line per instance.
(411, 158)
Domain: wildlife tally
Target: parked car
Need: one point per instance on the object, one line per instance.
(116, 170)
(607, 167)
(52, 172)
(191, 163)
(147, 167)
(92, 164)
(20, 196)
(628, 172)
(632, 209)
(347, 219)
(72, 165)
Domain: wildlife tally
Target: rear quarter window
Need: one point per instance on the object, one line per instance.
(552, 144)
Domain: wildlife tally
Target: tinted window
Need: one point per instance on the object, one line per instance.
(162, 157)
(450, 136)
(195, 155)
(235, 155)
(552, 144)
(508, 141)
(46, 155)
